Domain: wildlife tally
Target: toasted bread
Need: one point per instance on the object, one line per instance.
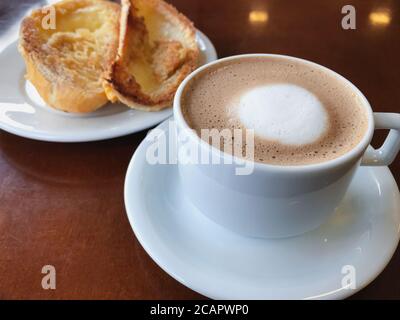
(67, 64)
(157, 50)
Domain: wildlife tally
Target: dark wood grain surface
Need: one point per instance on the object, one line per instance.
(62, 204)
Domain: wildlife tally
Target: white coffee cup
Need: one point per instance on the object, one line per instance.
(278, 201)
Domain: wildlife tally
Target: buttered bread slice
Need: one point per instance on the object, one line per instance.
(157, 50)
(67, 63)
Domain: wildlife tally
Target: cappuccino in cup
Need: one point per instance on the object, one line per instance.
(312, 131)
(301, 114)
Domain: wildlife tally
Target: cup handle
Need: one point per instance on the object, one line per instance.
(385, 155)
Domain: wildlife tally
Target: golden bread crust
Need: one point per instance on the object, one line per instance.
(67, 65)
(157, 50)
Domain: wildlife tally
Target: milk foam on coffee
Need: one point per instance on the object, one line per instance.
(283, 113)
(300, 113)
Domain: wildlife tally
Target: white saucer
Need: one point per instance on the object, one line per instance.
(219, 264)
(24, 113)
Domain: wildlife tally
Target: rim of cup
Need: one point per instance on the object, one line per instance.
(356, 152)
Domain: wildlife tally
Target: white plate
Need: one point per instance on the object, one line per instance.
(23, 112)
(220, 264)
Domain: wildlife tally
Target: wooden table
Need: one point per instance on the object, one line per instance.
(62, 204)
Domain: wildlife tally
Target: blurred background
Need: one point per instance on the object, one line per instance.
(369, 56)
